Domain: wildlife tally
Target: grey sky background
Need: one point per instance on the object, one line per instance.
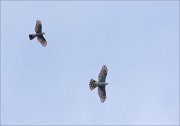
(138, 41)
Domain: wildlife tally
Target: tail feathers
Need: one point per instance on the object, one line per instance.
(92, 84)
(32, 36)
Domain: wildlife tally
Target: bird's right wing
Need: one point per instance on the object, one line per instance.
(103, 74)
(38, 27)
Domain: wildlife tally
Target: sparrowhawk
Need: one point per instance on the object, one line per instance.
(39, 34)
(101, 83)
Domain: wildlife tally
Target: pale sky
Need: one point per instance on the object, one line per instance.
(138, 41)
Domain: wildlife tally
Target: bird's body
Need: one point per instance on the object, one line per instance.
(101, 84)
(39, 34)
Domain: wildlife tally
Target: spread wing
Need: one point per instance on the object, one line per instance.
(42, 40)
(102, 93)
(38, 27)
(103, 74)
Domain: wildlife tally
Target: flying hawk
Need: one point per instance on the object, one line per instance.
(39, 34)
(101, 83)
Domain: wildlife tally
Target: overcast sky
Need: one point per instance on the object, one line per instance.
(138, 41)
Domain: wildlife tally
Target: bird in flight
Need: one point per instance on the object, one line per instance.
(39, 34)
(101, 83)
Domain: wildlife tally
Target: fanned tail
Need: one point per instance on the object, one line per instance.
(92, 84)
(32, 36)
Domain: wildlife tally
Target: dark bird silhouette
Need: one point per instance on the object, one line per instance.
(39, 34)
(101, 83)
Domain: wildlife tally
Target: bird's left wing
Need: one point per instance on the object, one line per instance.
(42, 40)
(102, 93)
